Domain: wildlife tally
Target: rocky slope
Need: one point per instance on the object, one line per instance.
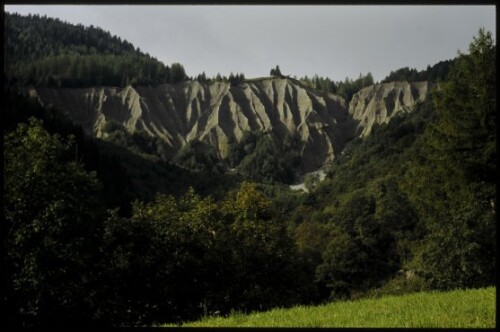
(219, 113)
(378, 103)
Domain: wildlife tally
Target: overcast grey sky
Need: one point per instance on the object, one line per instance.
(329, 40)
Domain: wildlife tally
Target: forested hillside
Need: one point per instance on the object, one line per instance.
(104, 234)
(416, 195)
(48, 52)
(437, 72)
(348, 87)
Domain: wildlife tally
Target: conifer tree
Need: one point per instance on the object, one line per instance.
(451, 180)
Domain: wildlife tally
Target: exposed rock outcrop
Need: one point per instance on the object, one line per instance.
(378, 103)
(218, 113)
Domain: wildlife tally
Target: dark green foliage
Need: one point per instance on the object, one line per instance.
(18, 109)
(342, 267)
(437, 72)
(30, 38)
(349, 87)
(198, 156)
(259, 158)
(263, 257)
(382, 153)
(362, 250)
(47, 52)
(129, 176)
(235, 79)
(452, 176)
(238, 150)
(156, 270)
(173, 260)
(51, 208)
(202, 78)
(177, 73)
(92, 70)
(367, 222)
(419, 191)
(319, 83)
(264, 164)
(275, 71)
(403, 74)
(139, 141)
(177, 259)
(346, 89)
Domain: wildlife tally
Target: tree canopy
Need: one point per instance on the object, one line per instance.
(452, 180)
(48, 52)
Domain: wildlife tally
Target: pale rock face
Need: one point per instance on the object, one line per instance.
(219, 113)
(378, 103)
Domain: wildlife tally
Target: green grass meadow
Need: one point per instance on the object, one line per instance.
(473, 308)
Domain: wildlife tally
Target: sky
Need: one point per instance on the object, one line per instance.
(329, 40)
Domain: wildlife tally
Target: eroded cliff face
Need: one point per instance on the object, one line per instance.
(218, 113)
(378, 103)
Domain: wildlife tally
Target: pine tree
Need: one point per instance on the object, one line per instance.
(451, 180)
(277, 71)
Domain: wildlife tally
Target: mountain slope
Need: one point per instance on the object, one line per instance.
(104, 83)
(44, 51)
(220, 113)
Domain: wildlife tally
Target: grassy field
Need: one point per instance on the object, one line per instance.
(456, 309)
